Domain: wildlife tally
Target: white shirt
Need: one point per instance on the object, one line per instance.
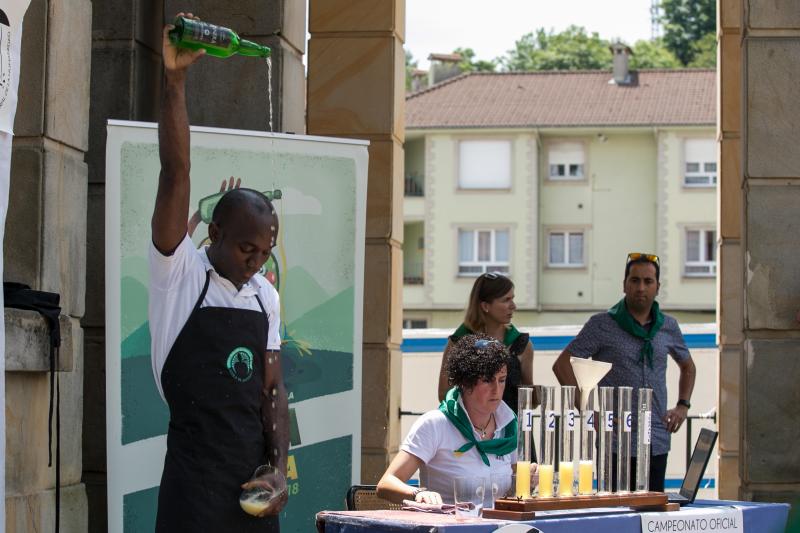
(434, 439)
(176, 282)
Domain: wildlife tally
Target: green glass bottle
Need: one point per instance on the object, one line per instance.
(218, 41)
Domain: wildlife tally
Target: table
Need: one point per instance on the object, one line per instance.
(758, 518)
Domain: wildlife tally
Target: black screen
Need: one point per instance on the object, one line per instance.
(698, 463)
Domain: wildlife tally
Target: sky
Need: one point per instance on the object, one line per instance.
(491, 27)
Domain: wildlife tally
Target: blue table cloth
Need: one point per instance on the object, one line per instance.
(758, 518)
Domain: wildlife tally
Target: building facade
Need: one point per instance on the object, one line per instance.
(552, 178)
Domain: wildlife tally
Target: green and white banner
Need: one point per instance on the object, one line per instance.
(318, 186)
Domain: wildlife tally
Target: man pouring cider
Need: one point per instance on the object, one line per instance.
(214, 325)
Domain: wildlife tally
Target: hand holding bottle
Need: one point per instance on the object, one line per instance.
(178, 58)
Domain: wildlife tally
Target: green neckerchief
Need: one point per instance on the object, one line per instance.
(457, 415)
(510, 336)
(625, 320)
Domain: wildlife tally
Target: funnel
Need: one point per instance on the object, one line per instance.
(588, 373)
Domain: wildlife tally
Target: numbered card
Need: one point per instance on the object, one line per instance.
(527, 419)
(608, 418)
(572, 416)
(550, 424)
(589, 421)
(628, 420)
(647, 427)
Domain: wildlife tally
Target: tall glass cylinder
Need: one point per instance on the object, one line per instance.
(606, 437)
(524, 441)
(587, 462)
(624, 417)
(569, 423)
(643, 426)
(547, 443)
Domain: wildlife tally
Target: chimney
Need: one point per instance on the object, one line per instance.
(419, 80)
(443, 66)
(620, 53)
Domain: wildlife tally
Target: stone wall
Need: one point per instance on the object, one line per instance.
(759, 286)
(356, 88)
(45, 247)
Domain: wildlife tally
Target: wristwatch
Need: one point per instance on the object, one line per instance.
(685, 403)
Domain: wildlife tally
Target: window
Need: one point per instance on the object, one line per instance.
(701, 163)
(415, 323)
(701, 253)
(484, 164)
(484, 250)
(566, 161)
(565, 249)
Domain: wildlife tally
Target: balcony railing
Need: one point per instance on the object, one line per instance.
(414, 186)
(413, 275)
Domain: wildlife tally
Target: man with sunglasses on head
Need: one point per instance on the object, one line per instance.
(636, 337)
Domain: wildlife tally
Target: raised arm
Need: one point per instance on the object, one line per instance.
(172, 200)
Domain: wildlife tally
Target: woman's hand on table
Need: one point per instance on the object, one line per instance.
(428, 496)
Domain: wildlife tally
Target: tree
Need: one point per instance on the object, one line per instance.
(653, 54)
(705, 52)
(470, 64)
(572, 49)
(411, 65)
(685, 23)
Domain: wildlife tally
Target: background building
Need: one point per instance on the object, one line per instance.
(552, 178)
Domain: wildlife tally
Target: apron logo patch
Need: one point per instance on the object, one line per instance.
(240, 364)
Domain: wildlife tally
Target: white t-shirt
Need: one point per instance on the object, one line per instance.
(434, 439)
(176, 282)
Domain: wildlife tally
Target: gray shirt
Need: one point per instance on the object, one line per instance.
(603, 340)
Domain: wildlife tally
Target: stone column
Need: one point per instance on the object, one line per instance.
(730, 289)
(759, 226)
(44, 247)
(356, 89)
(126, 57)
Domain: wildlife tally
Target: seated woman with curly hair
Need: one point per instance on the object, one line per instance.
(473, 432)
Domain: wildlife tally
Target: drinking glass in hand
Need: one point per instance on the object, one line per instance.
(264, 489)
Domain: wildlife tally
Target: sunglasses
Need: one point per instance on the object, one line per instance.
(493, 275)
(206, 205)
(636, 256)
(484, 343)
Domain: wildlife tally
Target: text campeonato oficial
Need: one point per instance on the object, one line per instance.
(692, 524)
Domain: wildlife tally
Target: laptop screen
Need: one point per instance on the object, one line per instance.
(698, 463)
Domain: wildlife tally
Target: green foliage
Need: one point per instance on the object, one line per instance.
(705, 52)
(470, 64)
(411, 64)
(652, 54)
(571, 49)
(685, 23)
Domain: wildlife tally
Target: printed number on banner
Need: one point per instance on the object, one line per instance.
(571, 419)
(609, 420)
(551, 421)
(527, 419)
(590, 422)
(628, 421)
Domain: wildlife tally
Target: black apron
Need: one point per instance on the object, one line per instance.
(212, 381)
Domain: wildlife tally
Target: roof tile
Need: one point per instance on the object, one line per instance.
(565, 98)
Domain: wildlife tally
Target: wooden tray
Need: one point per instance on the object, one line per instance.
(513, 509)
